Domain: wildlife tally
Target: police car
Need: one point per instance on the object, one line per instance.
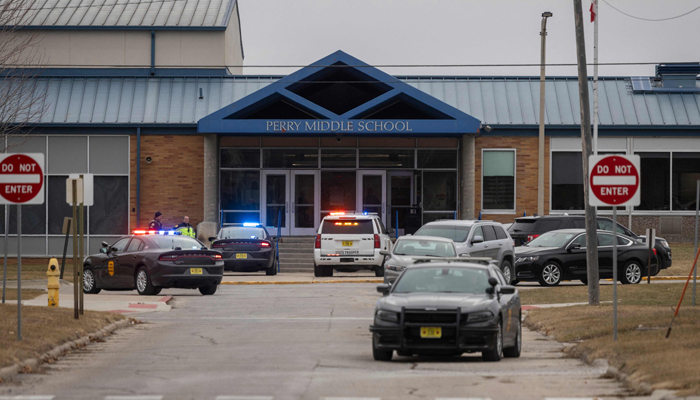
(349, 242)
(246, 247)
(150, 261)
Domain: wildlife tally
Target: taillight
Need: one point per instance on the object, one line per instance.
(168, 257)
(376, 241)
(654, 251)
(216, 257)
(317, 245)
(263, 244)
(218, 245)
(531, 237)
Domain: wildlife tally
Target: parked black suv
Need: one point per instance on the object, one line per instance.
(525, 229)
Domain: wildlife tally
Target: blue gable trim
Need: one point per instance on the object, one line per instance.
(323, 122)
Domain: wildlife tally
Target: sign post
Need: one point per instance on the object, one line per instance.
(21, 182)
(651, 242)
(614, 181)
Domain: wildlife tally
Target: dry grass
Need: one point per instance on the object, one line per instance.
(641, 350)
(657, 294)
(27, 294)
(683, 255)
(36, 269)
(44, 328)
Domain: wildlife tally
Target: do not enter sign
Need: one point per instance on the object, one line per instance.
(614, 180)
(22, 178)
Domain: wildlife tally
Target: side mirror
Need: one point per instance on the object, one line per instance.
(103, 250)
(507, 289)
(383, 288)
(212, 238)
(574, 247)
(385, 252)
(493, 281)
(477, 239)
(105, 244)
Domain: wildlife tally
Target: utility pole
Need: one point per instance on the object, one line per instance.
(591, 225)
(540, 155)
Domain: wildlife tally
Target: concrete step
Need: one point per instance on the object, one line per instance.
(296, 250)
(296, 245)
(284, 265)
(298, 239)
(294, 256)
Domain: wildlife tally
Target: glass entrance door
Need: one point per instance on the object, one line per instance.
(305, 201)
(401, 201)
(275, 196)
(371, 192)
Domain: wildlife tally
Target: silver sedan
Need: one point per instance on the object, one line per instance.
(409, 248)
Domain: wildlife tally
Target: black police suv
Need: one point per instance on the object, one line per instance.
(150, 261)
(561, 255)
(525, 229)
(246, 248)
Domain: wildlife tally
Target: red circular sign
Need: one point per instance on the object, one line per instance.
(614, 180)
(21, 178)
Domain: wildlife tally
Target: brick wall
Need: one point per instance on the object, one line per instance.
(525, 175)
(172, 182)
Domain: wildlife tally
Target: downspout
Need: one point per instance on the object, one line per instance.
(153, 52)
(138, 177)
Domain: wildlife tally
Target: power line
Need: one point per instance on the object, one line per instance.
(651, 19)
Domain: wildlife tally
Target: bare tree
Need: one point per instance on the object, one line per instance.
(22, 92)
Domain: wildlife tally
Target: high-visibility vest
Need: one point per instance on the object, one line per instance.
(186, 231)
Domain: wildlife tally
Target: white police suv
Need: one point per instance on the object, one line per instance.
(349, 242)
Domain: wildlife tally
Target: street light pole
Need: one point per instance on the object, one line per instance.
(540, 160)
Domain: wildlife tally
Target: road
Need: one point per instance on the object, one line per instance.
(293, 342)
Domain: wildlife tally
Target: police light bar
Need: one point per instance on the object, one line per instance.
(151, 232)
(251, 224)
(338, 213)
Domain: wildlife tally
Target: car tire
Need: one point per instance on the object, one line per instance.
(319, 271)
(514, 352)
(379, 354)
(551, 274)
(508, 272)
(89, 282)
(208, 290)
(404, 353)
(495, 354)
(632, 273)
(157, 290)
(379, 271)
(142, 282)
(328, 271)
(272, 270)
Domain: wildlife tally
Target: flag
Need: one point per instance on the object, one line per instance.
(594, 9)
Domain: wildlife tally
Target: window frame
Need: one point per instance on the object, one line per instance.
(515, 181)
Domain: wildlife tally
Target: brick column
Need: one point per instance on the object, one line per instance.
(467, 170)
(210, 226)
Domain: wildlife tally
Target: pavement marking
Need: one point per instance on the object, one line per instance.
(49, 397)
(244, 397)
(157, 397)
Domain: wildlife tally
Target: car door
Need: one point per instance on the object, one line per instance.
(574, 257)
(507, 304)
(505, 243)
(127, 262)
(492, 244)
(605, 242)
(477, 249)
(107, 270)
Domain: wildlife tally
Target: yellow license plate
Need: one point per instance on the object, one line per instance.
(195, 271)
(430, 332)
(347, 243)
(241, 255)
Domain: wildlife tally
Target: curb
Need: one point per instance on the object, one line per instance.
(298, 282)
(658, 278)
(32, 364)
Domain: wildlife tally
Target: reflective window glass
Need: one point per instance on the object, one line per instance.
(338, 158)
(567, 181)
(437, 158)
(58, 208)
(654, 181)
(290, 158)
(439, 190)
(686, 173)
(499, 180)
(240, 190)
(109, 215)
(240, 158)
(387, 158)
(338, 190)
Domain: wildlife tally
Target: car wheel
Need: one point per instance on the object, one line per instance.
(632, 273)
(496, 353)
(318, 271)
(329, 271)
(379, 271)
(551, 274)
(272, 270)
(89, 282)
(157, 290)
(143, 284)
(208, 290)
(514, 352)
(379, 354)
(508, 273)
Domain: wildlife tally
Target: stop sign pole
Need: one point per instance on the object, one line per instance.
(614, 181)
(21, 182)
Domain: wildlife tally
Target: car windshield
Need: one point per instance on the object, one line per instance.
(173, 241)
(456, 233)
(418, 247)
(241, 232)
(443, 280)
(551, 239)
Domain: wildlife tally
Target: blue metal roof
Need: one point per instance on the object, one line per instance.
(128, 14)
(492, 100)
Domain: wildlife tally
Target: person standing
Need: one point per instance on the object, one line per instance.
(185, 228)
(156, 225)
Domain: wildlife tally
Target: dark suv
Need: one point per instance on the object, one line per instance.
(525, 229)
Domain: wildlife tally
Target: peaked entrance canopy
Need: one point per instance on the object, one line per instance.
(339, 95)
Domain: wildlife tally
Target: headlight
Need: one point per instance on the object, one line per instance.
(397, 268)
(665, 243)
(480, 316)
(388, 316)
(527, 259)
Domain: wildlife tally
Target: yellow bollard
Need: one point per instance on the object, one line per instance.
(53, 274)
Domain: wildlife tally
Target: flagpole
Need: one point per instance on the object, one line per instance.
(595, 76)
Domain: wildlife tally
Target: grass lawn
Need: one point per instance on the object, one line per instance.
(683, 255)
(36, 269)
(644, 314)
(27, 294)
(44, 328)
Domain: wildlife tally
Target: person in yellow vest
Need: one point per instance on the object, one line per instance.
(185, 228)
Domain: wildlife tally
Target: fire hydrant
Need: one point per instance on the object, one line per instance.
(53, 273)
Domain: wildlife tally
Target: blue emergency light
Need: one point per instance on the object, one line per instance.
(251, 224)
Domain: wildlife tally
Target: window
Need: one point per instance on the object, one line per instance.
(547, 225)
(489, 233)
(581, 241)
(417, 247)
(654, 181)
(567, 181)
(607, 225)
(290, 158)
(500, 233)
(135, 245)
(240, 190)
(579, 224)
(387, 158)
(478, 231)
(338, 158)
(240, 158)
(58, 208)
(120, 245)
(110, 213)
(622, 241)
(439, 191)
(686, 172)
(437, 159)
(605, 239)
(455, 233)
(338, 189)
(498, 183)
(347, 226)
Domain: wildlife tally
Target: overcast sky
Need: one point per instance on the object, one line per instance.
(380, 32)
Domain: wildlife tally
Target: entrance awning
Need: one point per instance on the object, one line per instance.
(339, 95)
